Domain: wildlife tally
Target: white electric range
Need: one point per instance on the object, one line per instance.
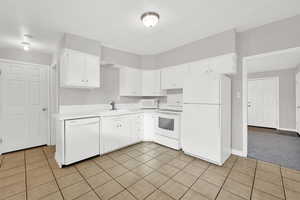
(167, 126)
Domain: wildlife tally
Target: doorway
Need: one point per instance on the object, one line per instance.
(263, 102)
(24, 116)
(270, 114)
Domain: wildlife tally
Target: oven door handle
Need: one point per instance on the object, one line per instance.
(168, 113)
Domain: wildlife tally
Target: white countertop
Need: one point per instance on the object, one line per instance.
(100, 113)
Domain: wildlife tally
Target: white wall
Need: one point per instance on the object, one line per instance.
(25, 56)
(287, 95)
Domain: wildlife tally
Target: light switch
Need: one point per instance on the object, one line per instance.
(238, 95)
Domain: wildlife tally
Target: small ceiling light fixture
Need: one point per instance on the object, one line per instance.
(26, 43)
(150, 19)
(26, 46)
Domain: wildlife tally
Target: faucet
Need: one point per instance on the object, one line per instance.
(113, 105)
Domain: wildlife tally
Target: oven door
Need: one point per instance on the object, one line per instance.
(167, 124)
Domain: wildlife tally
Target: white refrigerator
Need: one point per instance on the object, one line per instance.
(206, 117)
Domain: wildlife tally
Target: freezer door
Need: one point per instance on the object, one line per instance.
(200, 133)
(202, 88)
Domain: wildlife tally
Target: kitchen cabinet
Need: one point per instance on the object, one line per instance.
(150, 119)
(136, 82)
(137, 128)
(120, 131)
(79, 70)
(151, 83)
(173, 77)
(130, 82)
(225, 64)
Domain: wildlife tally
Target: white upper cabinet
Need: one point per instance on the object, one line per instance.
(136, 82)
(130, 81)
(173, 77)
(151, 84)
(225, 64)
(79, 70)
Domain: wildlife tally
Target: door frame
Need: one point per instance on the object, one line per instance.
(276, 78)
(9, 61)
(245, 93)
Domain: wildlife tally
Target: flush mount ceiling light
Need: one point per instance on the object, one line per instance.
(150, 19)
(26, 46)
(26, 43)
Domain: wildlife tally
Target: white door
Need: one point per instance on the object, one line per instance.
(263, 102)
(298, 102)
(202, 88)
(24, 106)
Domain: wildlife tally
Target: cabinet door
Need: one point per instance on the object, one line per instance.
(109, 136)
(149, 121)
(92, 75)
(167, 78)
(136, 128)
(151, 83)
(173, 77)
(73, 69)
(124, 133)
(130, 82)
(179, 75)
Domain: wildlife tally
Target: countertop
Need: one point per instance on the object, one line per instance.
(100, 113)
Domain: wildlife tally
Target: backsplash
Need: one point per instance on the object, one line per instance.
(71, 109)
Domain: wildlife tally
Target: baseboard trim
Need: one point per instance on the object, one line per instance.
(287, 129)
(237, 152)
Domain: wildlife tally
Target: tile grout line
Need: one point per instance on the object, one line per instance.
(226, 179)
(284, 193)
(190, 188)
(114, 179)
(53, 175)
(253, 182)
(93, 189)
(166, 181)
(170, 178)
(130, 170)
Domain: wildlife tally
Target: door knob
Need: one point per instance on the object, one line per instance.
(44, 109)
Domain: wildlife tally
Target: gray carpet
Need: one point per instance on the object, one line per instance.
(281, 149)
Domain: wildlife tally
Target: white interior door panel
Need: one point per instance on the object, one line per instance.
(263, 102)
(24, 103)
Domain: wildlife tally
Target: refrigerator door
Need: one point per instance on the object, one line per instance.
(202, 88)
(200, 133)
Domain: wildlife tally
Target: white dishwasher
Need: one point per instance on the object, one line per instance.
(81, 139)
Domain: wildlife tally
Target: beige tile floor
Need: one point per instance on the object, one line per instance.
(143, 171)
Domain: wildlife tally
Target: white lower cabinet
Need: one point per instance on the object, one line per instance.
(120, 131)
(149, 126)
